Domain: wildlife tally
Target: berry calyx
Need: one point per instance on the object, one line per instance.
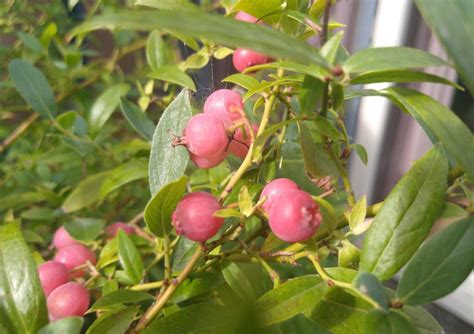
(63, 239)
(113, 229)
(205, 136)
(239, 146)
(52, 274)
(221, 102)
(294, 216)
(274, 189)
(74, 256)
(194, 216)
(70, 299)
(244, 58)
(209, 162)
(246, 17)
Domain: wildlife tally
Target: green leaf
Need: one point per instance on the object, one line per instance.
(113, 322)
(400, 76)
(130, 258)
(310, 93)
(69, 325)
(22, 305)
(243, 80)
(196, 286)
(406, 216)
(300, 324)
(422, 320)
(213, 27)
(33, 87)
(369, 285)
(31, 42)
(357, 216)
(314, 71)
(390, 58)
(235, 277)
(348, 255)
(173, 74)
(85, 229)
(290, 298)
(120, 297)
(168, 162)
(222, 52)
(67, 120)
(452, 23)
(165, 4)
(325, 127)
(155, 50)
(440, 123)
(86, 193)
(388, 323)
(105, 105)
(158, 211)
(137, 119)
(440, 265)
(195, 61)
(124, 174)
(361, 152)
(245, 202)
(182, 252)
(330, 48)
(265, 86)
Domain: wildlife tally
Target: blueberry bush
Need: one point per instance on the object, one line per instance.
(133, 200)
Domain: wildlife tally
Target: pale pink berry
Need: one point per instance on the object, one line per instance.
(244, 58)
(63, 239)
(113, 229)
(274, 189)
(70, 299)
(74, 256)
(52, 274)
(205, 136)
(220, 104)
(246, 17)
(194, 216)
(294, 216)
(209, 162)
(239, 146)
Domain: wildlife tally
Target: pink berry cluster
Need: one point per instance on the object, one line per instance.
(66, 297)
(213, 134)
(243, 58)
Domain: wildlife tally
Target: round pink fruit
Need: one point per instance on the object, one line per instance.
(113, 229)
(52, 274)
(210, 162)
(74, 256)
(220, 104)
(63, 239)
(294, 216)
(244, 58)
(246, 17)
(239, 146)
(70, 299)
(194, 216)
(275, 189)
(205, 136)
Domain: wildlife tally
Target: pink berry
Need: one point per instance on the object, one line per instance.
(239, 146)
(63, 239)
(220, 104)
(275, 189)
(194, 216)
(246, 17)
(209, 162)
(70, 299)
(243, 58)
(113, 229)
(74, 256)
(52, 274)
(205, 136)
(294, 216)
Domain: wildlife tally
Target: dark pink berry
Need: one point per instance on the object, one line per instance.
(246, 17)
(63, 239)
(220, 104)
(209, 162)
(239, 146)
(194, 216)
(52, 274)
(244, 58)
(275, 189)
(205, 136)
(113, 229)
(70, 299)
(294, 216)
(74, 256)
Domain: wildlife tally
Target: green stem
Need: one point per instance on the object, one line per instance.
(147, 286)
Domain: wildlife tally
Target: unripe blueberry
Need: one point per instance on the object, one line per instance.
(243, 58)
(63, 239)
(52, 274)
(113, 229)
(70, 299)
(74, 256)
(220, 102)
(246, 17)
(239, 146)
(275, 189)
(209, 162)
(205, 136)
(294, 216)
(194, 216)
